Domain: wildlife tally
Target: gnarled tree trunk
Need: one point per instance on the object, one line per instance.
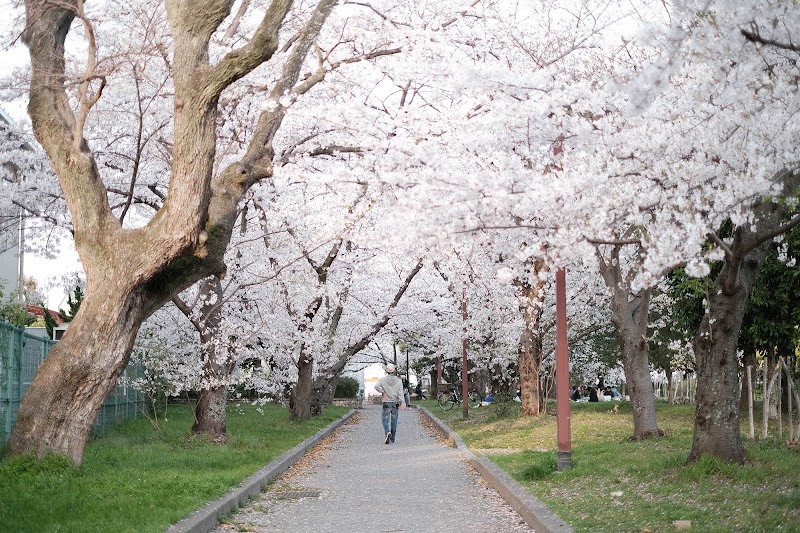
(716, 423)
(68, 392)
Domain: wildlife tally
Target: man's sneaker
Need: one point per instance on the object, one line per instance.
(388, 438)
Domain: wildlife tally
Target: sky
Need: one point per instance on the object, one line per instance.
(45, 271)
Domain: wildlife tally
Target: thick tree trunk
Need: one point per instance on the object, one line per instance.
(78, 374)
(640, 386)
(130, 273)
(530, 293)
(717, 429)
(528, 364)
(211, 413)
(301, 394)
(716, 422)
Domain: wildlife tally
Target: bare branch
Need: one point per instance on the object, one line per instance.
(381, 15)
(769, 235)
(259, 49)
(334, 149)
(755, 37)
(236, 20)
(719, 242)
(614, 242)
(460, 15)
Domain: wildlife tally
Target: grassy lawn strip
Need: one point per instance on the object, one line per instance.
(138, 479)
(623, 486)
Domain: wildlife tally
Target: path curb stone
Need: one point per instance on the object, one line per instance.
(205, 518)
(533, 511)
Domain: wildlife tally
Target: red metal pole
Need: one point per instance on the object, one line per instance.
(464, 371)
(564, 459)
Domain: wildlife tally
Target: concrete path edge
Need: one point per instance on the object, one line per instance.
(533, 511)
(206, 518)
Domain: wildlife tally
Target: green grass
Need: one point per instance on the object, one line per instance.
(624, 486)
(138, 479)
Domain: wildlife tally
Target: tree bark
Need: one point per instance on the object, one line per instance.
(528, 361)
(211, 409)
(747, 393)
(211, 413)
(636, 364)
(530, 293)
(300, 404)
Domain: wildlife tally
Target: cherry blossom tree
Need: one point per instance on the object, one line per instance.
(132, 272)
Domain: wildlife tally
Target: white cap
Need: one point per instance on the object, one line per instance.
(390, 368)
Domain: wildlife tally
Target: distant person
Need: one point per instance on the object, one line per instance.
(418, 391)
(391, 389)
(576, 394)
(593, 395)
(488, 399)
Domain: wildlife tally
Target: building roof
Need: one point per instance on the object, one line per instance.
(38, 310)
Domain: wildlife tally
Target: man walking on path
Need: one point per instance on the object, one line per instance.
(391, 388)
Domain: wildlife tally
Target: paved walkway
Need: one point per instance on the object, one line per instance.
(352, 482)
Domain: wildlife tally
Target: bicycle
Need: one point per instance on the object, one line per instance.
(448, 399)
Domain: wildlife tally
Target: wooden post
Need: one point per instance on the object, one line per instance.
(563, 431)
(779, 383)
(464, 369)
(790, 394)
(751, 435)
(767, 395)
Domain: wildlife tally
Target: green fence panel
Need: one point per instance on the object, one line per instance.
(21, 354)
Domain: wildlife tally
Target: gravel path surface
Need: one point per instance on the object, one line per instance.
(352, 482)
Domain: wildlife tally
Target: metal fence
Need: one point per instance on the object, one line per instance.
(22, 353)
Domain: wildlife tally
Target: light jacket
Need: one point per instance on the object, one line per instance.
(391, 387)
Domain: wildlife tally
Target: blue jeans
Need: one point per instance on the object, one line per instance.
(390, 412)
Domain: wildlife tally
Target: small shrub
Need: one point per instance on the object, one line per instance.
(503, 404)
(542, 465)
(346, 388)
